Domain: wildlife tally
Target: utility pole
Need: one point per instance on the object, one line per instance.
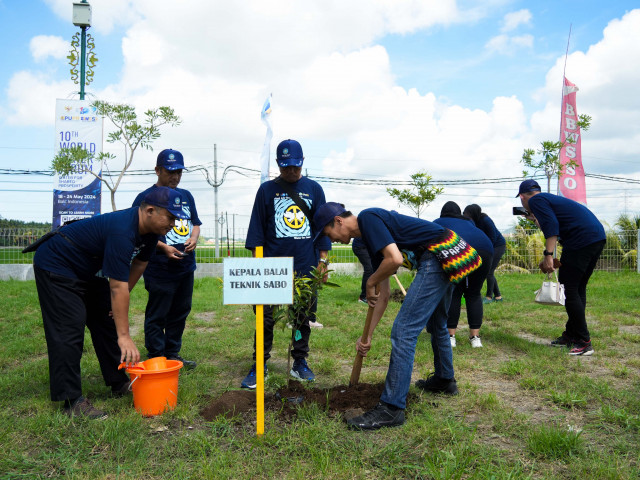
(215, 195)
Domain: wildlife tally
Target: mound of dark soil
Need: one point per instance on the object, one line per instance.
(341, 401)
(397, 296)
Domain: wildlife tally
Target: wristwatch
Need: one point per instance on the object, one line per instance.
(546, 253)
(325, 261)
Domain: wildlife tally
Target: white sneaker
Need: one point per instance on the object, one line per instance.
(475, 342)
(316, 325)
(453, 340)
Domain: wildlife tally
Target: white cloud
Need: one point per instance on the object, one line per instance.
(44, 46)
(513, 20)
(31, 99)
(509, 45)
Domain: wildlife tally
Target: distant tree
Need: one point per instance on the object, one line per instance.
(128, 132)
(547, 157)
(420, 195)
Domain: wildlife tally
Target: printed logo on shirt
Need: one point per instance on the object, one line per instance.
(291, 222)
(182, 229)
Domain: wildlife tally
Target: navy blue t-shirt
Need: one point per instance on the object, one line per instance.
(380, 228)
(467, 230)
(160, 266)
(106, 242)
(572, 222)
(490, 230)
(278, 224)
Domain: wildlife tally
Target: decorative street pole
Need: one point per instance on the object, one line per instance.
(82, 19)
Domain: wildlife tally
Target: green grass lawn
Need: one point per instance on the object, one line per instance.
(525, 410)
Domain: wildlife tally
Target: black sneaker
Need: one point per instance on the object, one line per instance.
(562, 341)
(83, 408)
(381, 416)
(582, 348)
(435, 384)
(187, 364)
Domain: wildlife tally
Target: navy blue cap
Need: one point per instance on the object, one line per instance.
(167, 198)
(170, 159)
(289, 154)
(528, 186)
(325, 214)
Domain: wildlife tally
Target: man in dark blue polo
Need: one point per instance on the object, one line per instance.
(582, 238)
(117, 246)
(169, 275)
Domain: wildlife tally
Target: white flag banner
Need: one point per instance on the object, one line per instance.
(266, 147)
(77, 195)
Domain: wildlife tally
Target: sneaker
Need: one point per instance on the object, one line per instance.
(381, 416)
(475, 342)
(250, 380)
(315, 324)
(452, 338)
(83, 408)
(363, 300)
(301, 370)
(562, 341)
(497, 299)
(435, 384)
(187, 364)
(486, 300)
(582, 348)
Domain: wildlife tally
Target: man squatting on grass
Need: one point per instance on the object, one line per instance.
(441, 257)
(116, 246)
(582, 238)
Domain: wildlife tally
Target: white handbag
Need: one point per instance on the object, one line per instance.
(551, 293)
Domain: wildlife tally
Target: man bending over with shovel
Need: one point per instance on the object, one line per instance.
(441, 258)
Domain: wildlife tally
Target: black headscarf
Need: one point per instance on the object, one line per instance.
(474, 212)
(451, 210)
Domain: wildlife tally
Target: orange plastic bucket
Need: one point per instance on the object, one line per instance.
(155, 390)
(155, 363)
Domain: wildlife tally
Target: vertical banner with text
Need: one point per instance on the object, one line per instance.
(77, 195)
(571, 184)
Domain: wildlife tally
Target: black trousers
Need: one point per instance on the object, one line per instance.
(577, 267)
(68, 305)
(300, 348)
(166, 314)
(363, 256)
(471, 289)
(493, 290)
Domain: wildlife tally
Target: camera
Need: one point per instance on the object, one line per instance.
(520, 211)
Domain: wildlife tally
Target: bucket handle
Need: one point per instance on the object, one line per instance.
(133, 381)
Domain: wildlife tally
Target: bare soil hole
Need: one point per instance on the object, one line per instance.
(342, 400)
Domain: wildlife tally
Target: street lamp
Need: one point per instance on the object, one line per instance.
(82, 19)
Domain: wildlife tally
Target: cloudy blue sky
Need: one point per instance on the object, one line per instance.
(375, 89)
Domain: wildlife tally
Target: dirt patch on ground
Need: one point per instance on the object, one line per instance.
(397, 296)
(342, 400)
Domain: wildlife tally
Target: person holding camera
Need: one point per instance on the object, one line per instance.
(582, 238)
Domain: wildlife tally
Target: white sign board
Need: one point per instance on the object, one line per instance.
(258, 281)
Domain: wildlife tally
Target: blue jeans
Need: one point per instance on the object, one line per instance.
(425, 305)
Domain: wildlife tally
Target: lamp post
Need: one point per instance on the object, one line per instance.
(82, 19)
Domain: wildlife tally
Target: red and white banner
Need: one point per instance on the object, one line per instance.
(571, 183)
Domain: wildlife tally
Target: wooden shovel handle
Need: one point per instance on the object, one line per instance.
(357, 364)
(404, 292)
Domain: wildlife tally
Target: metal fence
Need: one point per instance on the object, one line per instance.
(524, 249)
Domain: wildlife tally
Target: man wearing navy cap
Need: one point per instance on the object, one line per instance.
(440, 258)
(281, 222)
(582, 238)
(169, 275)
(116, 246)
